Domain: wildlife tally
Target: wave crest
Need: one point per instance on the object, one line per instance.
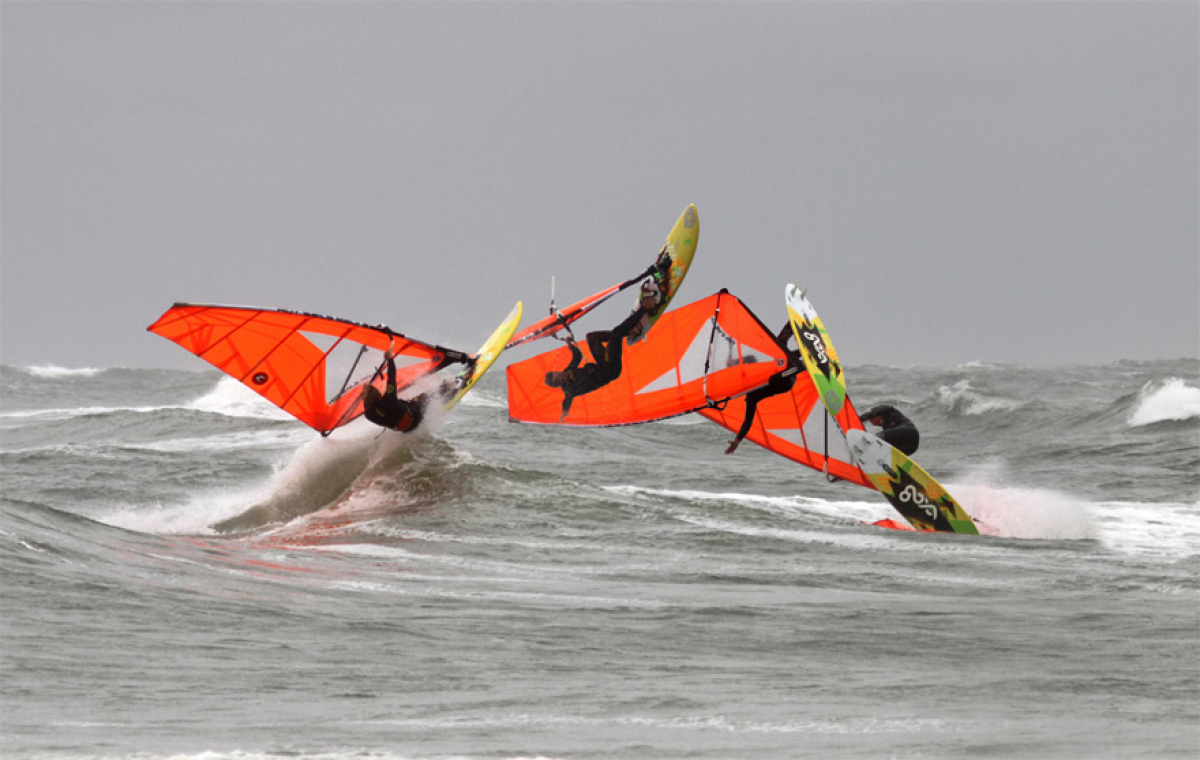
(233, 399)
(964, 400)
(54, 372)
(1168, 400)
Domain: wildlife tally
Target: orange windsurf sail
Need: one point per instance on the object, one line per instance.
(699, 354)
(310, 366)
(795, 425)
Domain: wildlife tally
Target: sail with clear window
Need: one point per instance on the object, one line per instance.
(312, 367)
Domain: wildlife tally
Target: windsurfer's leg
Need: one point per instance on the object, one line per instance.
(752, 399)
(627, 326)
(598, 344)
(904, 437)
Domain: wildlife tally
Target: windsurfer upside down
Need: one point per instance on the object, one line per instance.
(577, 379)
(388, 410)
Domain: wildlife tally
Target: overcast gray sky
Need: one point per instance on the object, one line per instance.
(954, 182)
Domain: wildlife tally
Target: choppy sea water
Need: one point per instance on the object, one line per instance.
(497, 590)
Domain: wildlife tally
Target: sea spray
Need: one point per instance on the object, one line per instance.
(1002, 508)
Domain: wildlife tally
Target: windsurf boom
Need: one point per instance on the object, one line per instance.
(560, 320)
(680, 247)
(311, 366)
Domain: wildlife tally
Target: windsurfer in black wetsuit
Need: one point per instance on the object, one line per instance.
(780, 382)
(388, 410)
(607, 346)
(898, 430)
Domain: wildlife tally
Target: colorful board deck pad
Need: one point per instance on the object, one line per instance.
(913, 492)
(681, 246)
(820, 358)
(487, 354)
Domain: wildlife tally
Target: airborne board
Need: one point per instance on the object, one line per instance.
(796, 426)
(486, 356)
(817, 350)
(682, 240)
(699, 354)
(681, 247)
(913, 492)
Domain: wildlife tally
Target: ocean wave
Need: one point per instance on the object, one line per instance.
(83, 411)
(55, 372)
(484, 399)
(1170, 400)
(233, 399)
(963, 399)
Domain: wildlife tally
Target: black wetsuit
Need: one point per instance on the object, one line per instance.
(898, 430)
(606, 347)
(388, 410)
(779, 383)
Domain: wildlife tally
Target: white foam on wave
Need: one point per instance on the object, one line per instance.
(191, 518)
(964, 399)
(1167, 530)
(84, 411)
(53, 372)
(305, 480)
(228, 397)
(1016, 512)
(289, 437)
(483, 399)
(999, 508)
(795, 507)
(1149, 529)
(704, 723)
(232, 399)
(1168, 400)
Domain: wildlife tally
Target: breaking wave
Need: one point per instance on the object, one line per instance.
(963, 399)
(1170, 400)
(53, 372)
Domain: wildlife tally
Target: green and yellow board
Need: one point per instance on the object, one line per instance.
(820, 358)
(912, 491)
(486, 356)
(681, 246)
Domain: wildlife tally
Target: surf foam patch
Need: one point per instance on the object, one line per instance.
(233, 399)
(1163, 401)
(962, 399)
(53, 372)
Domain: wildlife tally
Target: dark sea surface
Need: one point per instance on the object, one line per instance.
(498, 590)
